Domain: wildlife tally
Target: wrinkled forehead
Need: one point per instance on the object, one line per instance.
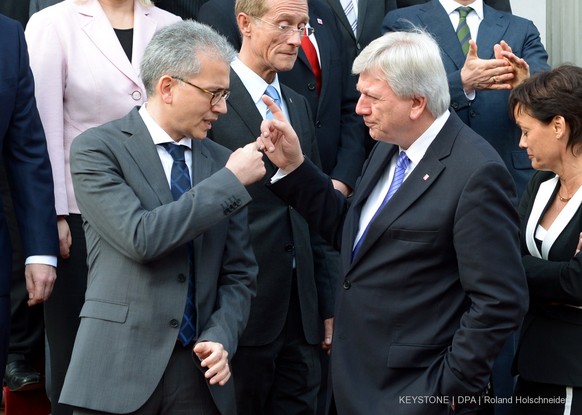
(288, 10)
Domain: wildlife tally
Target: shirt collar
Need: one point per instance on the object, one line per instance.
(417, 149)
(451, 6)
(159, 136)
(254, 84)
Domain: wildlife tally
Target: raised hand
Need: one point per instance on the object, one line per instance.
(247, 164)
(479, 74)
(279, 141)
(519, 65)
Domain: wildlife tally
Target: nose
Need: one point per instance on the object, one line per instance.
(362, 107)
(295, 38)
(522, 141)
(220, 106)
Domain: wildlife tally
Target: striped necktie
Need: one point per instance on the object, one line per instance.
(463, 32)
(350, 12)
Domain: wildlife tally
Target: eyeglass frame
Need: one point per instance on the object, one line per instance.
(216, 96)
(288, 30)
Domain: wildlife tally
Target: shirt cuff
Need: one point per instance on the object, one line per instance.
(278, 176)
(41, 259)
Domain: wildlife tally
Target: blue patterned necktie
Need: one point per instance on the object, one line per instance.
(179, 184)
(463, 32)
(274, 95)
(399, 173)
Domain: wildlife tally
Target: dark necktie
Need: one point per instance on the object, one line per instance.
(179, 184)
(399, 174)
(272, 92)
(463, 32)
(311, 53)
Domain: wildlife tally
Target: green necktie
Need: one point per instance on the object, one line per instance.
(463, 32)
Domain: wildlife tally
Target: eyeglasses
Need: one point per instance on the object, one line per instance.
(287, 30)
(216, 96)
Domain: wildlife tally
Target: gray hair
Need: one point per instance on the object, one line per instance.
(175, 50)
(411, 64)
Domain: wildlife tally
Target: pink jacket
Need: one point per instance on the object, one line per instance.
(83, 77)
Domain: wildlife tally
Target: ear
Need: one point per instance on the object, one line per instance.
(417, 108)
(244, 24)
(559, 126)
(165, 89)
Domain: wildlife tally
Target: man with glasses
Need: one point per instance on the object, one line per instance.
(171, 269)
(277, 364)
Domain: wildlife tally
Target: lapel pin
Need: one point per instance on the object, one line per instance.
(425, 177)
(319, 21)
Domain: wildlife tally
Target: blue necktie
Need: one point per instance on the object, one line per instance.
(463, 32)
(179, 184)
(399, 174)
(272, 92)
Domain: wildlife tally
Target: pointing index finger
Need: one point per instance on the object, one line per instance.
(274, 108)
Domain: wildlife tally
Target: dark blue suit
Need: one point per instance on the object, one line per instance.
(487, 114)
(27, 165)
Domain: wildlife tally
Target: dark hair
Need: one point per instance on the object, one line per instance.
(551, 93)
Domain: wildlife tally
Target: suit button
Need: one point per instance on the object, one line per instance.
(347, 284)
(136, 95)
(181, 278)
(311, 86)
(174, 323)
(358, 46)
(318, 124)
(289, 248)
(472, 114)
(455, 105)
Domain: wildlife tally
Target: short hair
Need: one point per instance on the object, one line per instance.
(410, 62)
(254, 8)
(551, 93)
(175, 50)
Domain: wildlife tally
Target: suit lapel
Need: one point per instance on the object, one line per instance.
(240, 103)
(420, 179)
(96, 25)
(362, 12)
(434, 15)
(144, 29)
(142, 150)
(491, 31)
(341, 16)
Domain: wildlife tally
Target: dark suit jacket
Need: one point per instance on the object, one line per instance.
(339, 130)
(186, 9)
(487, 114)
(36, 5)
(278, 232)
(137, 254)
(370, 15)
(437, 284)
(27, 165)
(549, 347)
(502, 5)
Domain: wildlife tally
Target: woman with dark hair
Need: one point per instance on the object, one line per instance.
(548, 109)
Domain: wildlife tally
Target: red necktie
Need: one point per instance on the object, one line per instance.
(311, 54)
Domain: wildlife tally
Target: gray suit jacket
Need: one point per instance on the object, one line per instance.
(437, 284)
(137, 254)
